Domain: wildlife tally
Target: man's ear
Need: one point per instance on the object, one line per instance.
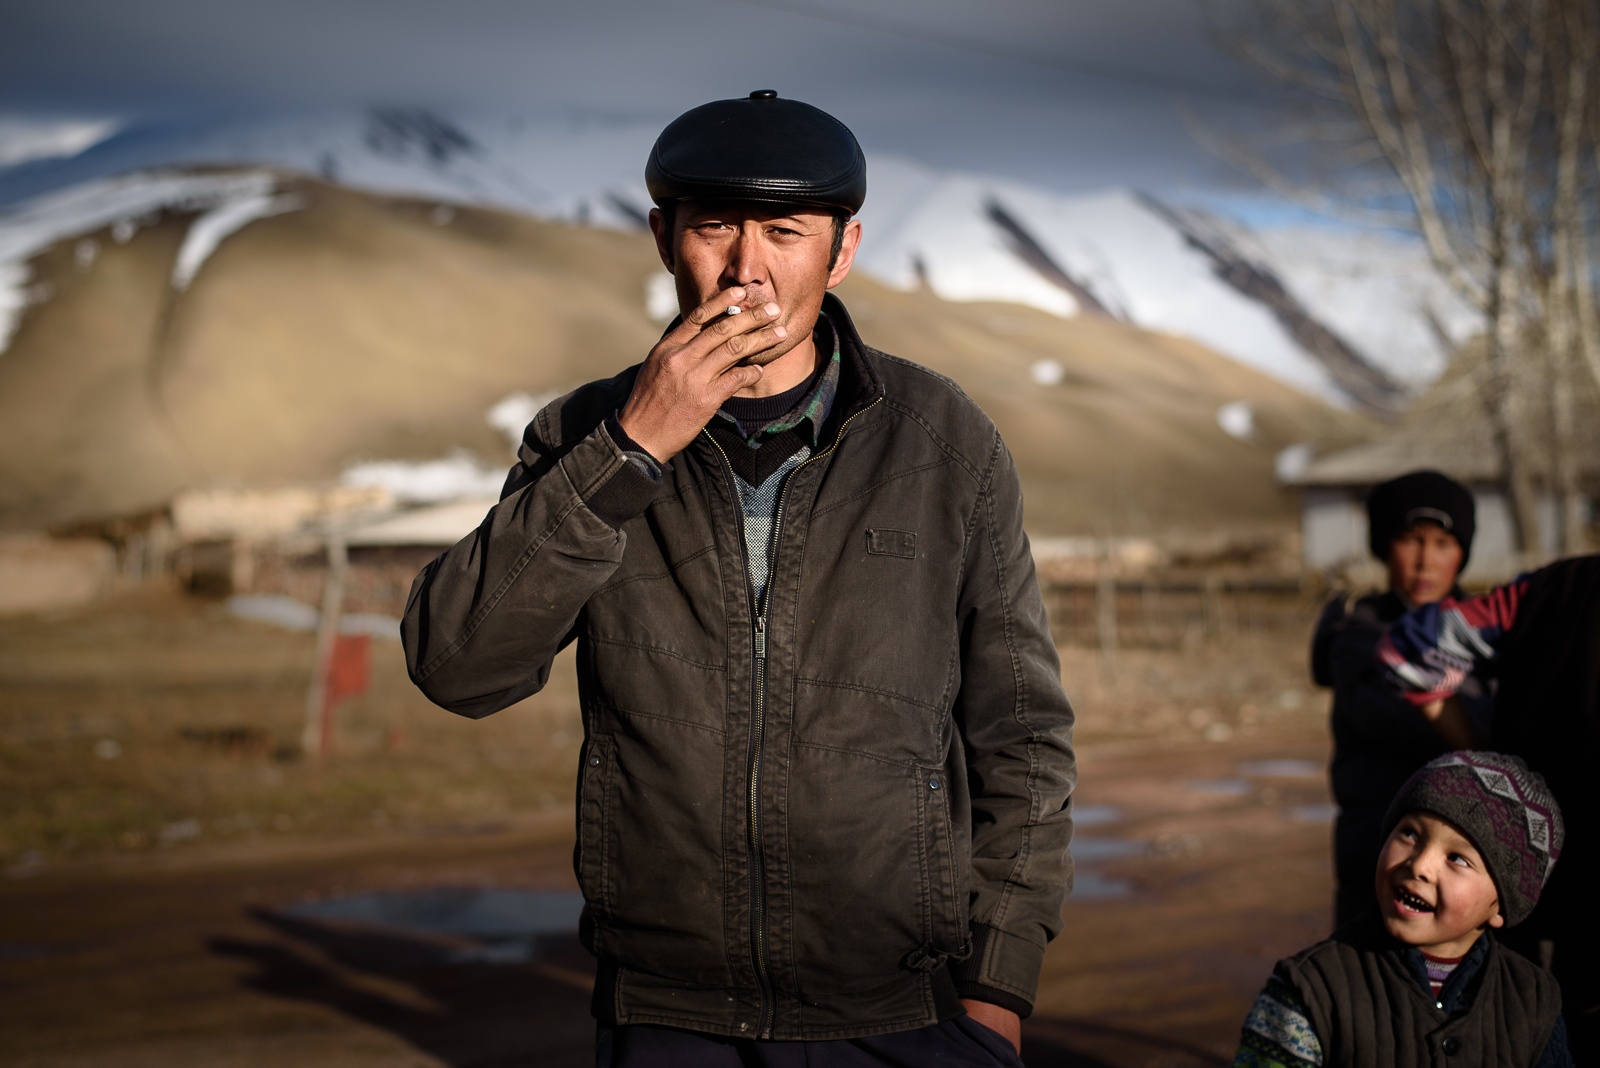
(1497, 920)
(658, 230)
(847, 253)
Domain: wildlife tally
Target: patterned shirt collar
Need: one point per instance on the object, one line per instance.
(811, 409)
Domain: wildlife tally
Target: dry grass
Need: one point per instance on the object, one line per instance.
(157, 721)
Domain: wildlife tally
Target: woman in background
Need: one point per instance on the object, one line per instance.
(1420, 526)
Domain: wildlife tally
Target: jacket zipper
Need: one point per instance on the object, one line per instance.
(758, 614)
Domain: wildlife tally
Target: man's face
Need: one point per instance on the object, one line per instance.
(777, 252)
(1423, 563)
(1434, 891)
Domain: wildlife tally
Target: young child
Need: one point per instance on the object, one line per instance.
(1472, 837)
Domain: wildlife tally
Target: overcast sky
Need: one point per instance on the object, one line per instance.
(1066, 93)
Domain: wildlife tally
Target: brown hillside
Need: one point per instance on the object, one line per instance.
(358, 329)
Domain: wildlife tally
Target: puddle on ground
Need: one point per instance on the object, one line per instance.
(1220, 787)
(1092, 849)
(1095, 815)
(1313, 813)
(1281, 769)
(1090, 885)
(505, 923)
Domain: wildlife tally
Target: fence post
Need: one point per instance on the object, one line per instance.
(1212, 595)
(1106, 611)
(315, 738)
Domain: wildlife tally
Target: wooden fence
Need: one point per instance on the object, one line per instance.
(1165, 612)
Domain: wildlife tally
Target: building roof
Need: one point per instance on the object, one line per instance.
(1378, 461)
(435, 525)
(1447, 429)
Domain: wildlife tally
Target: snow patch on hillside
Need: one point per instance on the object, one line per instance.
(428, 481)
(124, 203)
(24, 139)
(1377, 290)
(1136, 265)
(217, 225)
(963, 236)
(511, 415)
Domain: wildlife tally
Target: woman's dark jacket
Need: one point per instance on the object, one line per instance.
(840, 837)
(1379, 739)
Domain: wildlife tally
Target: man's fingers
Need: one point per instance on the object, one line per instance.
(739, 376)
(715, 307)
(742, 321)
(742, 346)
(738, 336)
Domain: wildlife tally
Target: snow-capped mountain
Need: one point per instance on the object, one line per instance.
(1354, 317)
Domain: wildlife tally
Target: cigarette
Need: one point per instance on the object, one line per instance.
(734, 309)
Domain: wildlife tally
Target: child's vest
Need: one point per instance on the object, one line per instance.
(1368, 1008)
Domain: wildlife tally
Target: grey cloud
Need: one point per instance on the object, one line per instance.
(1069, 94)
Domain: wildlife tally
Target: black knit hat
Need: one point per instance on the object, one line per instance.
(758, 147)
(1395, 506)
(1503, 807)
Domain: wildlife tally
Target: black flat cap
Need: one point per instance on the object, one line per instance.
(758, 148)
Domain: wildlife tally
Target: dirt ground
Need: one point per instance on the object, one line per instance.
(157, 832)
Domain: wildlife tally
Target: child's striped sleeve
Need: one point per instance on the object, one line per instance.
(1277, 1032)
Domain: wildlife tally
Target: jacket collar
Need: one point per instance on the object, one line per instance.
(859, 382)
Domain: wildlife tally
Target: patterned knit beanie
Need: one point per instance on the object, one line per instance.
(1504, 807)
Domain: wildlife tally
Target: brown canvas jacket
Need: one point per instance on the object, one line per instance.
(837, 838)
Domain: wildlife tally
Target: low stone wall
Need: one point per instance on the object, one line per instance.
(40, 574)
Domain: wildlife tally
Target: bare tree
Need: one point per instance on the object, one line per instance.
(1475, 123)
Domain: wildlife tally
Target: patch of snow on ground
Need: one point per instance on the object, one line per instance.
(1237, 420)
(274, 609)
(1292, 462)
(372, 624)
(661, 298)
(429, 481)
(23, 138)
(278, 610)
(1047, 372)
(512, 415)
(208, 231)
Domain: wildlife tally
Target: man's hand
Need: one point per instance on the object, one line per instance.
(1003, 1022)
(695, 368)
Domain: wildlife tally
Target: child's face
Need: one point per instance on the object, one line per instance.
(1433, 889)
(1423, 563)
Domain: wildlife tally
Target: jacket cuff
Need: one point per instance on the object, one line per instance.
(1002, 970)
(629, 491)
